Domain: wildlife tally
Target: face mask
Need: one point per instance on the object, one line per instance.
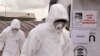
(14, 30)
(59, 26)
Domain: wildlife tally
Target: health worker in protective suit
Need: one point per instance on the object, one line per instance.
(12, 39)
(50, 38)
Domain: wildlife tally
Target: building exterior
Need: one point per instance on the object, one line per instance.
(21, 16)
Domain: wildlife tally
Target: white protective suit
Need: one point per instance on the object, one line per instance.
(45, 40)
(11, 43)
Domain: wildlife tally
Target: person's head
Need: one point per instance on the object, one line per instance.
(57, 16)
(15, 25)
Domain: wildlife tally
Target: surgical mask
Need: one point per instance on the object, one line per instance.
(59, 26)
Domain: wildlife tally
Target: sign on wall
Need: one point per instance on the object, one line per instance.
(85, 19)
(80, 36)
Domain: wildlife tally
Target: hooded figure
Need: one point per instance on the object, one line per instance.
(50, 38)
(12, 39)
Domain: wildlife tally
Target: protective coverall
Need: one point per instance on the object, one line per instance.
(11, 42)
(45, 40)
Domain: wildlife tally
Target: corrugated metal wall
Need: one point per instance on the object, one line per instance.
(26, 26)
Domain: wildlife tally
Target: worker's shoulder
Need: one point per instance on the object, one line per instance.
(37, 32)
(21, 32)
(39, 29)
(6, 30)
(66, 31)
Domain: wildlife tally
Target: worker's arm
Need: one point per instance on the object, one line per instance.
(2, 40)
(22, 40)
(68, 47)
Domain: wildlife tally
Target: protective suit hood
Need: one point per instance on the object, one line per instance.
(57, 11)
(15, 24)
